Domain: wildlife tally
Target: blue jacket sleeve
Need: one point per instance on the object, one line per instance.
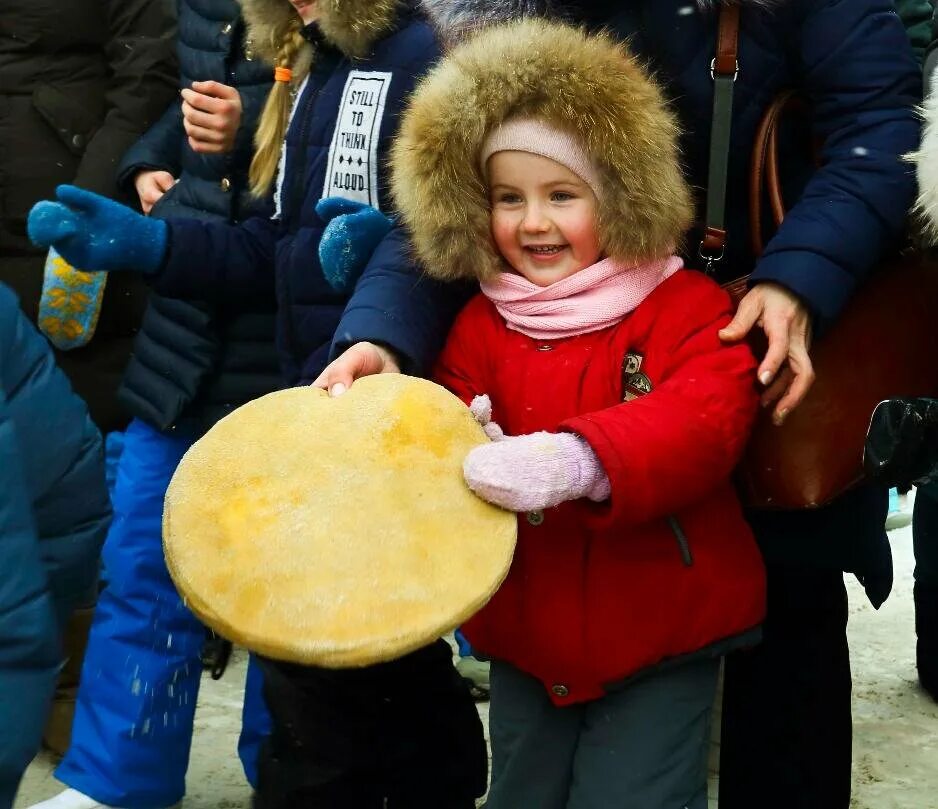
(29, 648)
(863, 82)
(395, 305)
(208, 260)
(159, 148)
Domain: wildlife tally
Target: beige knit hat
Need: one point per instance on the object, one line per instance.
(536, 136)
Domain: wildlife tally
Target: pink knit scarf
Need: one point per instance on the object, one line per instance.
(592, 299)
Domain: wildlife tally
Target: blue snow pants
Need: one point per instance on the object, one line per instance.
(140, 679)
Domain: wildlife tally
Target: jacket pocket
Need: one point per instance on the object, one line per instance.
(75, 123)
(682, 543)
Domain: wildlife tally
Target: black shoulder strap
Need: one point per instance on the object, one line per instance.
(723, 70)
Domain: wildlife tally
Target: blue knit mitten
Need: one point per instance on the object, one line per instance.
(96, 233)
(353, 232)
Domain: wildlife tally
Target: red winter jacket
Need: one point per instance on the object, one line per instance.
(667, 567)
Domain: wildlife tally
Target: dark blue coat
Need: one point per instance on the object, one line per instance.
(390, 303)
(852, 59)
(194, 360)
(54, 514)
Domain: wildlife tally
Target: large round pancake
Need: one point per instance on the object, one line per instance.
(336, 531)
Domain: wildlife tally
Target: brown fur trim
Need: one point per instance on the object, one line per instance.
(587, 84)
(353, 26)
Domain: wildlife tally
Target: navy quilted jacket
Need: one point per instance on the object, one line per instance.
(194, 361)
(853, 61)
(343, 121)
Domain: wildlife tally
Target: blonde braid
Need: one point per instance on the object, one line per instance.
(272, 127)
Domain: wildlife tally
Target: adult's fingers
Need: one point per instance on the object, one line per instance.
(202, 102)
(748, 313)
(776, 331)
(202, 133)
(215, 89)
(198, 118)
(778, 387)
(803, 379)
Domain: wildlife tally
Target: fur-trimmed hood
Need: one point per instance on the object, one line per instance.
(586, 84)
(455, 19)
(353, 26)
(926, 171)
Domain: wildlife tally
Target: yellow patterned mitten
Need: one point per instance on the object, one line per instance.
(70, 303)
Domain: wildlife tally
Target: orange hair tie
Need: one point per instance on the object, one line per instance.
(282, 74)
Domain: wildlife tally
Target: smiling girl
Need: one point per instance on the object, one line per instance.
(616, 414)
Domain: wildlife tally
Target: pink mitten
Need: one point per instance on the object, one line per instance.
(481, 409)
(531, 472)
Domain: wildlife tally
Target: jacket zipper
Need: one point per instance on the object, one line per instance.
(298, 189)
(682, 542)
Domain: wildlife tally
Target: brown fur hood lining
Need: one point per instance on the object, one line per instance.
(455, 19)
(586, 84)
(353, 26)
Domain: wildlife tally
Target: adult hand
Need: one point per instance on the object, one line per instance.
(151, 185)
(211, 115)
(362, 359)
(786, 370)
(96, 233)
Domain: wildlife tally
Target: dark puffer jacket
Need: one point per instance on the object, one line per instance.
(54, 514)
(80, 81)
(195, 361)
(337, 144)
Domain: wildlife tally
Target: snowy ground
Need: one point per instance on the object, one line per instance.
(896, 724)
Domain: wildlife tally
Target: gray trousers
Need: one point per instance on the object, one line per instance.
(644, 747)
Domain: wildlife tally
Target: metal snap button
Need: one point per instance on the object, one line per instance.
(227, 29)
(225, 184)
(560, 690)
(535, 517)
(78, 141)
(545, 347)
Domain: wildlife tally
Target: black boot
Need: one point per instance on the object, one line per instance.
(926, 628)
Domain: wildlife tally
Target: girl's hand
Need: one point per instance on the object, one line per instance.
(362, 359)
(211, 115)
(151, 185)
(536, 471)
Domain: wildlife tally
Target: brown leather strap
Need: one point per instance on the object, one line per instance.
(725, 63)
(714, 240)
(764, 176)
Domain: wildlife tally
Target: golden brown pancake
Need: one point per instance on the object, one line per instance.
(336, 532)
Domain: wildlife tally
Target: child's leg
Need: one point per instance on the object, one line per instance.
(646, 746)
(349, 739)
(533, 743)
(133, 718)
